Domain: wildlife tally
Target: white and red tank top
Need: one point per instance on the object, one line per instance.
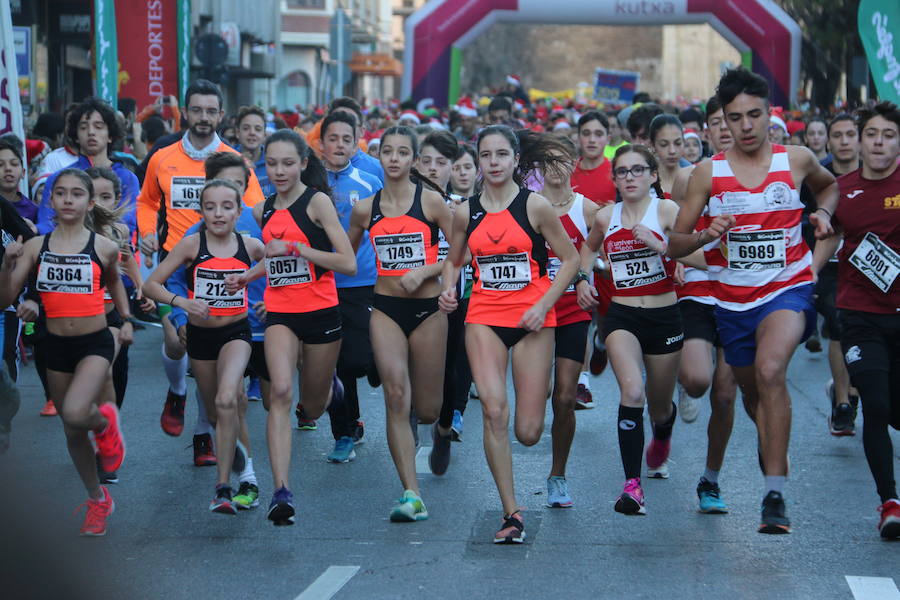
(636, 269)
(697, 284)
(764, 253)
(567, 309)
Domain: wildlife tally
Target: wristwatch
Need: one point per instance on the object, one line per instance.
(581, 276)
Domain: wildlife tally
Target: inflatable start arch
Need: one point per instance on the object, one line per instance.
(766, 36)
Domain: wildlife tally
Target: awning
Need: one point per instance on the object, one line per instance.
(384, 65)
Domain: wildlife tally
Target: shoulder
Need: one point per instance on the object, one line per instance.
(431, 198)
(801, 155)
(105, 247)
(668, 207)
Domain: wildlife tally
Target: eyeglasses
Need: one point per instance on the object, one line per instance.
(210, 112)
(636, 171)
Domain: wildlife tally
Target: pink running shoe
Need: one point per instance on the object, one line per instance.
(657, 458)
(110, 445)
(631, 502)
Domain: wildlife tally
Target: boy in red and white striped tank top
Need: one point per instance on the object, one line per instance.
(759, 262)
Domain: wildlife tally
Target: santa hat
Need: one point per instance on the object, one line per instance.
(374, 142)
(688, 133)
(561, 122)
(411, 115)
(436, 124)
(795, 126)
(776, 117)
(466, 108)
(514, 80)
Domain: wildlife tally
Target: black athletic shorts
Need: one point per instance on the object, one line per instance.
(355, 306)
(510, 336)
(571, 340)
(870, 342)
(257, 367)
(65, 352)
(316, 327)
(658, 330)
(825, 301)
(205, 343)
(699, 321)
(407, 313)
(114, 319)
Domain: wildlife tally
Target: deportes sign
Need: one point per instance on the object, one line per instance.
(616, 87)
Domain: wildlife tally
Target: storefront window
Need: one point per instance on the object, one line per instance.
(293, 90)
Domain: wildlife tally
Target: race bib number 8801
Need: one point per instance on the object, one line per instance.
(65, 274)
(504, 272)
(877, 261)
(184, 193)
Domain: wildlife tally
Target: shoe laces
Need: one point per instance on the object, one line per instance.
(97, 511)
(633, 488)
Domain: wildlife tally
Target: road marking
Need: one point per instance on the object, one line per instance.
(872, 588)
(422, 460)
(328, 583)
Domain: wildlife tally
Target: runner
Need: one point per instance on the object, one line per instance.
(868, 293)
(817, 137)
(762, 267)
(250, 124)
(464, 172)
(408, 331)
(667, 139)
(572, 323)
(506, 228)
(305, 244)
(693, 146)
(70, 271)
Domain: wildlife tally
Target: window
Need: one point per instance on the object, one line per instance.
(294, 89)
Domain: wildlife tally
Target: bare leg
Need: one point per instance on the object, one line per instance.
(563, 428)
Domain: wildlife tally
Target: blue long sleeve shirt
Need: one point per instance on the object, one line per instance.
(349, 186)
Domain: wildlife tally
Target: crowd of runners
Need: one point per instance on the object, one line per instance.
(692, 252)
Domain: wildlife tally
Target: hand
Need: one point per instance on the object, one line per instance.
(147, 305)
(587, 295)
(678, 276)
(149, 245)
(182, 336)
(642, 233)
(717, 228)
(277, 247)
(411, 280)
(260, 308)
(196, 308)
(126, 333)
(235, 283)
(447, 301)
(13, 252)
(28, 311)
(534, 317)
(822, 222)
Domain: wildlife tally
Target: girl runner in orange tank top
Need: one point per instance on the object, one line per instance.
(218, 334)
(302, 210)
(71, 265)
(402, 220)
(508, 242)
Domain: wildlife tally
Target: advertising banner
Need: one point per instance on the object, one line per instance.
(878, 21)
(616, 87)
(148, 49)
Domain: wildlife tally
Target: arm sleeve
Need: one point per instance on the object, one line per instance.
(130, 191)
(148, 200)
(45, 223)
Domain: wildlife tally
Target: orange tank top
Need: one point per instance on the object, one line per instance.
(510, 262)
(206, 278)
(70, 285)
(405, 242)
(296, 285)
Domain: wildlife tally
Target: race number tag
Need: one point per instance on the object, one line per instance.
(400, 251)
(553, 267)
(443, 246)
(756, 250)
(504, 272)
(65, 274)
(184, 192)
(209, 286)
(287, 270)
(877, 261)
(634, 268)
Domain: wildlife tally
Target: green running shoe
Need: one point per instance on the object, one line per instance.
(409, 508)
(247, 496)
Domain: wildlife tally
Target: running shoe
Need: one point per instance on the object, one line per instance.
(49, 409)
(222, 502)
(889, 525)
(240, 458)
(247, 496)
(172, 418)
(583, 398)
(343, 451)
(303, 422)
(658, 458)
(688, 407)
(359, 433)
(512, 531)
(840, 423)
(631, 501)
(709, 495)
(439, 458)
(598, 356)
(456, 427)
(814, 343)
(204, 456)
(110, 444)
(254, 393)
(104, 476)
(409, 508)
(558, 492)
(97, 512)
(281, 509)
(774, 519)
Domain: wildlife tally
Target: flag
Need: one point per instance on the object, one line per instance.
(878, 21)
(106, 62)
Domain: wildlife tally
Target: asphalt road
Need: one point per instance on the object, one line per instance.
(163, 543)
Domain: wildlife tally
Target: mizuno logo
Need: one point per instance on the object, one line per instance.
(854, 193)
(477, 215)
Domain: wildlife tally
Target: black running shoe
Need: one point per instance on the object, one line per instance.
(281, 509)
(840, 423)
(774, 519)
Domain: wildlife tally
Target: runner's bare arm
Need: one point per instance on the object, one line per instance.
(359, 222)
(823, 185)
(343, 259)
(682, 239)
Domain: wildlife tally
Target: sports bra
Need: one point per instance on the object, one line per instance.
(402, 243)
(206, 278)
(70, 285)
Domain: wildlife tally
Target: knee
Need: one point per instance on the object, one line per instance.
(428, 415)
(632, 395)
(721, 402)
(226, 400)
(396, 398)
(529, 434)
(695, 384)
(495, 415)
(281, 393)
(770, 373)
(75, 419)
(564, 397)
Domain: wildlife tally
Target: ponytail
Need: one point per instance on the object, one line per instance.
(315, 175)
(417, 177)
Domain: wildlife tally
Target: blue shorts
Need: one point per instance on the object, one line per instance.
(737, 329)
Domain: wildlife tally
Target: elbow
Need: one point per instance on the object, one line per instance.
(350, 267)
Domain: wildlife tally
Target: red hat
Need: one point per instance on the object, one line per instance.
(795, 126)
(466, 107)
(411, 115)
(514, 80)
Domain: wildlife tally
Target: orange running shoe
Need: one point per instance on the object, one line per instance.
(110, 445)
(97, 511)
(49, 409)
(889, 524)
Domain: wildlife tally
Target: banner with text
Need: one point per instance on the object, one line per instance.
(616, 87)
(879, 21)
(106, 64)
(10, 102)
(148, 49)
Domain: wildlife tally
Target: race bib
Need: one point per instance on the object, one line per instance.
(504, 272)
(400, 251)
(877, 261)
(634, 268)
(184, 192)
(756, 250)
(443, 246)
(553, 266)
(209, 286)
(65, 274)
(287, 270)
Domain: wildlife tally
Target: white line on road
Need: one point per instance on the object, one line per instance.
(328, 583)
(422, 460)
(872, 588)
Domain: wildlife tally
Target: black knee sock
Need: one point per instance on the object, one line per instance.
(874, 391)
(631, 439)
(663, 431)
